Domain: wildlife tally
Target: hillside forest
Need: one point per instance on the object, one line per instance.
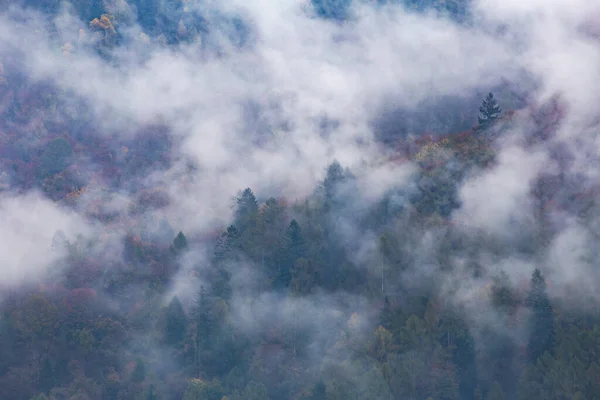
(324, 200)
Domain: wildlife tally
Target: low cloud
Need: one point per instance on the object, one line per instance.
(29, 224)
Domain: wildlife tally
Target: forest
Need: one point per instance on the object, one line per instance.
(325, 200)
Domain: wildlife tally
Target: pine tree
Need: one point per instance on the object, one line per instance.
(204, 315)
(542, 336)
(502, 295)
(292, 248)
(477, 394)
(295, 240)
(202, 330)
(495, 392)
(176, 322)
(385, 251)
(152, 393)
(336, 176)
(489, 109)
(319, 392)
(246, 210)
(180, 243)
(227, 246)
(139, 373)
(385, 317)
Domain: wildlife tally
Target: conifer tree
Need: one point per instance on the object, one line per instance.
(176, 322)
(204, 315)
(542, 336)
(139, 372)
(385, 316)
(489, 109)
(495, 392)
(292, 248)
(246, 209)
(319, 392)
(180, 243)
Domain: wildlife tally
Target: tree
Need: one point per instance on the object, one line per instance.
(336, 10)
(490, 110)
(176, 322)
(304, 277)
(495, 392)
(543, 335)
(40, 396)
(180, 243)
(139, 373)
(204, 313)
(153, 393)
(204, 390)
(336, 175)
(319, 392)
(55, 158)
(503, 296)
(385, 316)
(477, 395)
(246, 210)
(292, 248)
(255, 391)
(272, 221)
(204, 319)
(228, 245)
(384, 249)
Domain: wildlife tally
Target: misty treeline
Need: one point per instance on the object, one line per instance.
(331, 297)
(345, 294)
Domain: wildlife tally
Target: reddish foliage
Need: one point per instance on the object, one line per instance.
(151, 199)
(82, 272)
(79, 299)
(548, 116)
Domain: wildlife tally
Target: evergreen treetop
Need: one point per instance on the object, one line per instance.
(489, 109)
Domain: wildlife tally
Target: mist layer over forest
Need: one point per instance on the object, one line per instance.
(323, 199)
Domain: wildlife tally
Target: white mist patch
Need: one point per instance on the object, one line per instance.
(27, 225)
(498, 198)
(571, 264)
(378, 179)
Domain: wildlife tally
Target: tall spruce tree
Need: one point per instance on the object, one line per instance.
(495, 392)
(246, 209)
(176, 322)
(180, 243)
(542, 332)
(385, 316)
(490, 110)
(292, 248)
(319, 391)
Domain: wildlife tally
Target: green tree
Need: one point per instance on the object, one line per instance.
(477, 395)
(490, 110)
(246, 210)
(292, 248)
(204, 390)
(204, 326)
(503, 296)
(40, 396)
(227, 248)
(385, 253)
(255, 391)
(176, 322)
(543, 335)
(304, 277)
(386, 314)
(180, 243)
(495, 392)
(333, 183)
(319, 391)
(139, 372)
(55, 158)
